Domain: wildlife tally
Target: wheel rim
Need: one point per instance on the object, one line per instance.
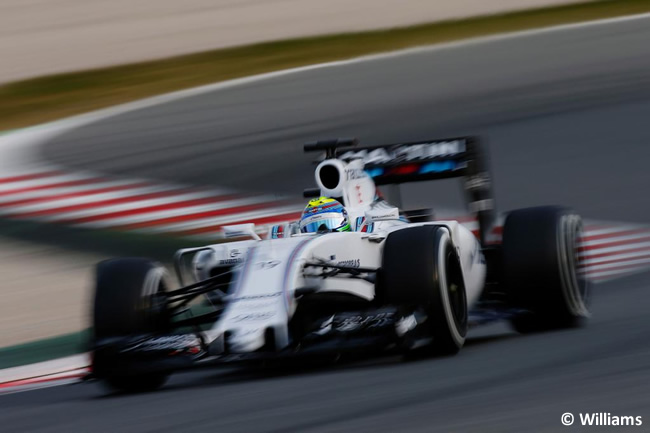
(456, 290)
(583, 282)
(575, 286)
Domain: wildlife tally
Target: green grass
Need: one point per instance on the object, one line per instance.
(33, 101)
(44, 350)
(71, 344)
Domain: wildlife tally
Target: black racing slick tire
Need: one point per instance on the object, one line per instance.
(421, 269)
(541, 269)
(126, 304)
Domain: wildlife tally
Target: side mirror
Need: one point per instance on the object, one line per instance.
(241, 231)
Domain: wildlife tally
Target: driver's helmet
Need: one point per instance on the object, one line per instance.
(324, 215)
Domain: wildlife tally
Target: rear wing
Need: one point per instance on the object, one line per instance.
(422, 161)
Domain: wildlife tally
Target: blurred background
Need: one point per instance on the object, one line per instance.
(563, 111)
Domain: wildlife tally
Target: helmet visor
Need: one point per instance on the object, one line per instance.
(327, 222)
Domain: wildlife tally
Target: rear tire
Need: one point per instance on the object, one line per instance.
(540, 258)
(421, 269)
(126, 304)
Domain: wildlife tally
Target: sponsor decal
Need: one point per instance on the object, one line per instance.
(440, 166)
(407, 152)
(277, 232)
(253, 306)
(235, 253)
(352, 263)
(359, 322)
(255, 297)
(248, 317)
(355, 173)
(390, 215)
(479, 181)
(230, 261)
(322, 217)
(166, 343)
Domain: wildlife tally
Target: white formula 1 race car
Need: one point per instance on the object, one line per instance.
(393, 284)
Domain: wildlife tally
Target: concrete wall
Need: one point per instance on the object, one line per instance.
(39, 37)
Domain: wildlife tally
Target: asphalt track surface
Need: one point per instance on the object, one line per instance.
(566, 117)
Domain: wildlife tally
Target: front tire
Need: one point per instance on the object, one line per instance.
(125, 304)
(421, 269)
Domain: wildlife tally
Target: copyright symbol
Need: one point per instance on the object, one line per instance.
(567, 418)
